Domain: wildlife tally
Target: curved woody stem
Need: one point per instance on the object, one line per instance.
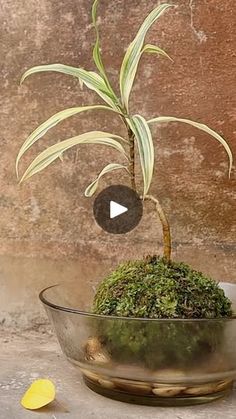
(131, 139)
(159, 209)
(132, 159)
(165, 226)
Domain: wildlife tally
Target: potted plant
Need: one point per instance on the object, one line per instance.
(157, 331)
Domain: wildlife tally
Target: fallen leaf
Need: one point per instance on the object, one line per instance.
(39, 394)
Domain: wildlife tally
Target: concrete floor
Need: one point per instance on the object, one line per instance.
(26, 356)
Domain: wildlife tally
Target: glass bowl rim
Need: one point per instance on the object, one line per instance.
(56, 307)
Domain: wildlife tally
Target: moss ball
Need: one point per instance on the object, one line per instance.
(153, 288)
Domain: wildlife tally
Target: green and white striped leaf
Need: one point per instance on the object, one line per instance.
(154, 49)
(202, 127)
(133, 54)
(91, 79)
(91, 189)
(52, 153)
(143, 136)
(96, 50)
(42, 129)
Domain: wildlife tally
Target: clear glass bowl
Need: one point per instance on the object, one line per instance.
(145, 361)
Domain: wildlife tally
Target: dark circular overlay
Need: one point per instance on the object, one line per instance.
(118, 195)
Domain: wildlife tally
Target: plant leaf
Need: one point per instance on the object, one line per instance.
(42, 129)
(39, 394)
(202, 127)
(91, 189)
(91, 79)
(52, 153)
(96, 50)
(133, 54)
(154, 49)
(143, 136)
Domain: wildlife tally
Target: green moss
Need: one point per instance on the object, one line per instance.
(161, 345)
(154, 288)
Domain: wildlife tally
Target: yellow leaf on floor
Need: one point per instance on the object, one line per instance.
(39, 394)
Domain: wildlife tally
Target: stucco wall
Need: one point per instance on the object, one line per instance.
(47, 223)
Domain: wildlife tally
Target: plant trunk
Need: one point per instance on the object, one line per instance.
(132, 159)
(159, 209)
(165, 227)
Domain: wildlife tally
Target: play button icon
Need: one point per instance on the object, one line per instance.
(118, 209)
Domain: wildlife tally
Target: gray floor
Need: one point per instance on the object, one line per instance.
(30, 355)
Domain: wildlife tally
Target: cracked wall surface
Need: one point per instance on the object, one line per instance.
(46, 226)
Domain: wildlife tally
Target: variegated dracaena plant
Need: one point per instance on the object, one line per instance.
(138, 128)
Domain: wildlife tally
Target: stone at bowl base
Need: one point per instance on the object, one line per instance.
(115, 393)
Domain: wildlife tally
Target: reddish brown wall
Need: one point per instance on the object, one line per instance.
(49, 217)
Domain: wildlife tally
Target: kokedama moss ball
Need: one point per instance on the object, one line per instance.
(153, 288)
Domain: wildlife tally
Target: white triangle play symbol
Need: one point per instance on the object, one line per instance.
(116, 209)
